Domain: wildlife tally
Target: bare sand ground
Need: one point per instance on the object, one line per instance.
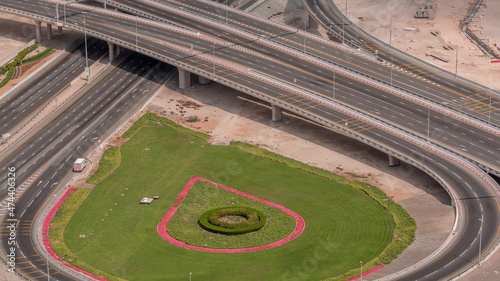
(374, 16)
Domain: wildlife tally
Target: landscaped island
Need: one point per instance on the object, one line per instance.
(113, 236)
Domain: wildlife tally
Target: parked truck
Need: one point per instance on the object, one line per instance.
(79, 164)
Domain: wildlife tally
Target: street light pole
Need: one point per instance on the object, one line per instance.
(64, 8)
(343, 23)
(489, 112)
(136, 33)
(334, 84)
(429, 124)
(390, 47)
(361, 274)
(456, 62)
(213, 55)
(227, 13)
(87, 70)
(480, 238)
(57, 13)
(305, 38)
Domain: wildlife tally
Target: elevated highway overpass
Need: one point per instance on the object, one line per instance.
(255, 71)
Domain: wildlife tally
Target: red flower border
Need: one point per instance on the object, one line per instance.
(46, 241)
(162, 226)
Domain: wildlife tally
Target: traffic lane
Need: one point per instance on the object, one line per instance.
(43, 89)
(64, 125)
(386, 105)
(293, 60)
(420, 87)
(288, 38)
(248, 61)
(69, 123)
(448, 87)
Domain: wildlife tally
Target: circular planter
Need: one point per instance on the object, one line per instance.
(225, 220)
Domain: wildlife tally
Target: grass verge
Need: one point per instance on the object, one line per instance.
(109, 162)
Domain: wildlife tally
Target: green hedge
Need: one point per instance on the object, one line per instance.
(256, 220)
(56, 230)
(165, 122)
(9, 68)
(405, 225)
(109, 162)
(8, 76)
(37, 56)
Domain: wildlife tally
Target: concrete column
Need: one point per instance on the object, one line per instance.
(118, 50)
(184, 79)
(49, 31)
(38, 31)
(59, 30)
(393, 161)
(202, 80)
(312, 23)
(111, 51)
(276, 113)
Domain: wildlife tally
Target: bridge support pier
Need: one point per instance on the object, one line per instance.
(184, 79)
(202, 80)
(393, 161)
(59, 30)
(38, 31)
(277, 113)
(118, 50)
(111, 48)
(49, 31)
(312, 23)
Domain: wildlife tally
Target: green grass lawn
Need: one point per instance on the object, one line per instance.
(343, 225)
